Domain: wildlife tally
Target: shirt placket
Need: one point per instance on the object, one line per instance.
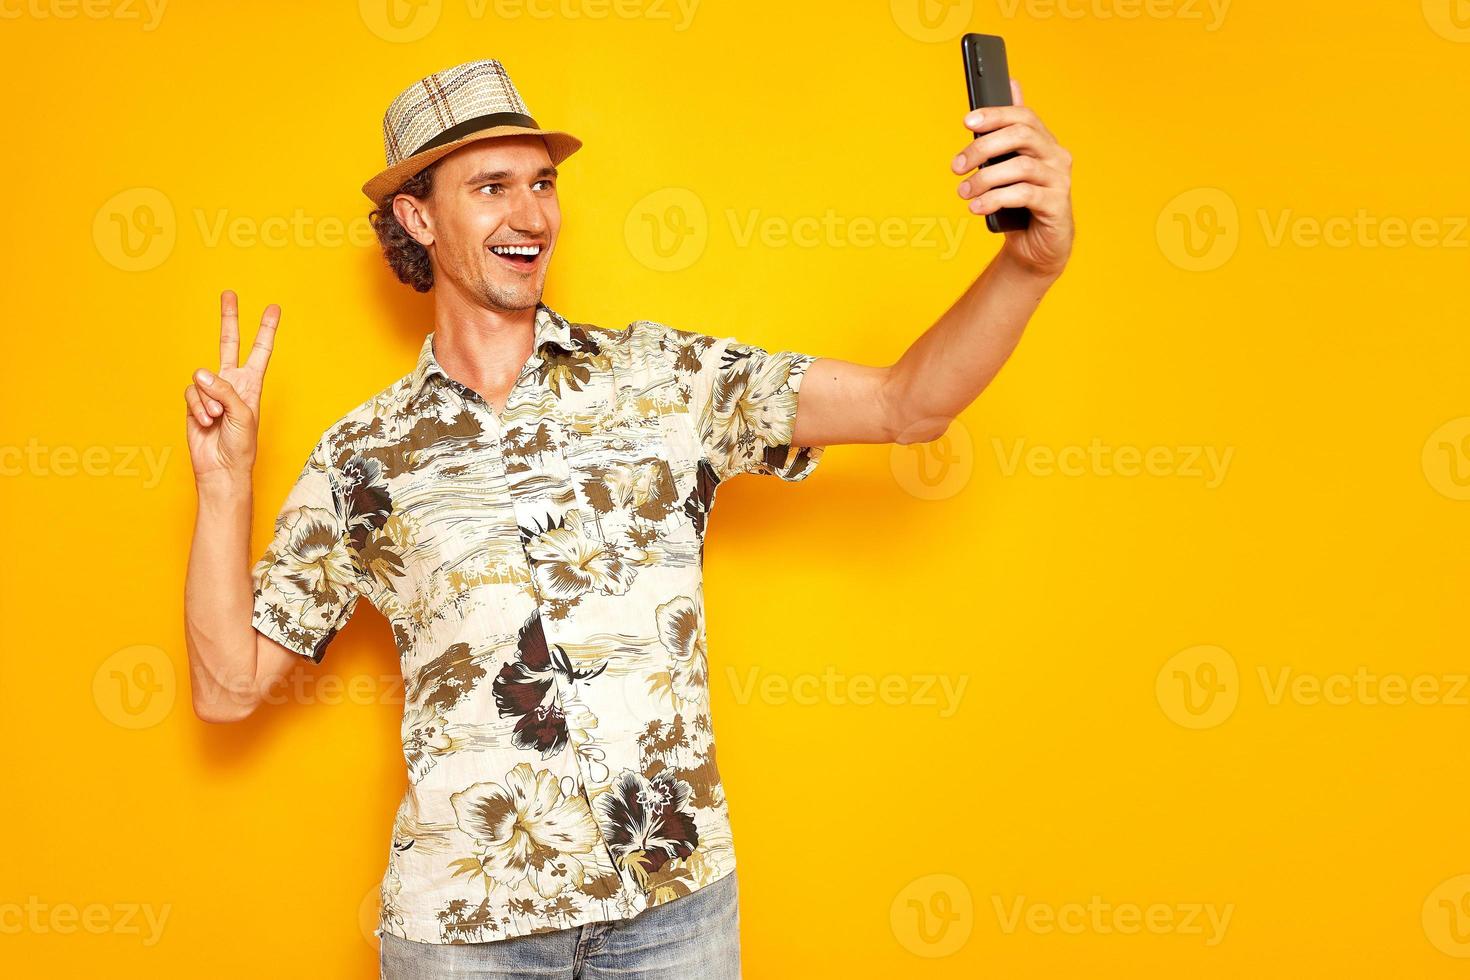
(554, 468)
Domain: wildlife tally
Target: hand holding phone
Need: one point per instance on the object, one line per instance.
(989, 81)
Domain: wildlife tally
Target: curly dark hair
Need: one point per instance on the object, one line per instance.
(408, 259)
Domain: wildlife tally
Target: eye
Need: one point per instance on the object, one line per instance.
(547, 181)
(489, 185)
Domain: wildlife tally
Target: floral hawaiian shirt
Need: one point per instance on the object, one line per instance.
(542, 572)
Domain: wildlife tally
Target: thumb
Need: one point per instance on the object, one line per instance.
(1016, 92)
(223, 392)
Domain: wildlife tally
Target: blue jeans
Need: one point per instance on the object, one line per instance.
(694, 937)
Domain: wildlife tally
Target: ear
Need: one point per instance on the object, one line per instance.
(1016, 92)
(412, 215)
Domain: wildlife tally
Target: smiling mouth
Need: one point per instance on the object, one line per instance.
(519, 257)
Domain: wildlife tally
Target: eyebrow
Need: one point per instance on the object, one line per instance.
(490, 176)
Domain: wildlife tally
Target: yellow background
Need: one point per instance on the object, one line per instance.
(873, 839)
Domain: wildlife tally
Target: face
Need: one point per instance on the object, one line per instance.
(491, 221)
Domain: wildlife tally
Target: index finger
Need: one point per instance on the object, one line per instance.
(1000, 116)
(265, 339)
(229, 329)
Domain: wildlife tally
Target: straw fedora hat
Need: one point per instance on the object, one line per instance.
(439, 114)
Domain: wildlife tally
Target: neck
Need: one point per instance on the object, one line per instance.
(481, 347)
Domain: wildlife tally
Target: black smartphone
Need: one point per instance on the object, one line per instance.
(989, 82)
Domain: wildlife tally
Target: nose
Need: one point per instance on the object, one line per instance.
(528, 216)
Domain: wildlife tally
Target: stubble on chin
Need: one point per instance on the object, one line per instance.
(499, 297)
(509, 296)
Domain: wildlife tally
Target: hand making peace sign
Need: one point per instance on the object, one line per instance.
(224, 406)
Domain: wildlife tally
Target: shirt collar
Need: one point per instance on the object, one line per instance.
(551, 328)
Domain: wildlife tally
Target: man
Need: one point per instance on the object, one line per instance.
(527, 507)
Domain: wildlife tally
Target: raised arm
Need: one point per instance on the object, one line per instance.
(231, 665)
(945, 369)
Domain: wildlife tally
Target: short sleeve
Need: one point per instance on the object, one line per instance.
(743, 405)
(306, 582)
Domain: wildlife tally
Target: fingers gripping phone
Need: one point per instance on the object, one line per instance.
(989, 81)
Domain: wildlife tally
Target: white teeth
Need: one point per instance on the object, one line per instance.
(516, 249)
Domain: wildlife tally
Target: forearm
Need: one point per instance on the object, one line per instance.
(947, 367)
(217, 604)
